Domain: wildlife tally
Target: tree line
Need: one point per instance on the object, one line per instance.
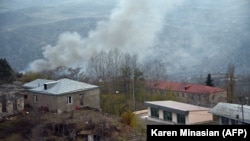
(120, 75)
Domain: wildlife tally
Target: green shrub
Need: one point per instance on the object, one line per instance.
(129, 118)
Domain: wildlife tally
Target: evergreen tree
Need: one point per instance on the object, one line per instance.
(209, 81)
(6, 72)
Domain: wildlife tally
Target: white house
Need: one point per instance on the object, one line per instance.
(172, 112)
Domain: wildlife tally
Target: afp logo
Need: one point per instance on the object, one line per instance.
(234, 133)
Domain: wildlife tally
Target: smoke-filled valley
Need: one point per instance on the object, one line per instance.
(190, 37)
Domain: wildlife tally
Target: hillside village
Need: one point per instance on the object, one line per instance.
(52, 109)
(86, 70)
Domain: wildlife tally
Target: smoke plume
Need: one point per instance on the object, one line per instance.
(131, 27)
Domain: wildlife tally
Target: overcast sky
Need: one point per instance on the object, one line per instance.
(184, 34)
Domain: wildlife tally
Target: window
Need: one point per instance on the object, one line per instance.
(81, 99)
(35, 99)
(234, 122)
(181, 119)
(213, 97)
(167, 116)
(69, 99)
(224, 121)
(154, 113)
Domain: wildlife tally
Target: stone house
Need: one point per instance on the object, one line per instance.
(11, 101)
(173, 112)
(10, 105)
(61, 95)
(196, 94)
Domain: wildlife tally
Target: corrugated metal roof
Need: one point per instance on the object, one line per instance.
(36, 83)
(231, 110)
(177, 105)
(63, 86)
(182, 87)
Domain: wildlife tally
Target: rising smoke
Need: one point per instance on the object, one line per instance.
(131, 27)
(189, 37)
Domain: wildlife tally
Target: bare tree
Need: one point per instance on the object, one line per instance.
(97, 65)
(230, 82)
(154, 70)
(128, 67)
(112, 68)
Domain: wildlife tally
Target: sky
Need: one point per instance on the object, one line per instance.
(189, 36)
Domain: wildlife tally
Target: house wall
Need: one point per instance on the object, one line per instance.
(149, 112)
(43, 101)
(195, 117)
(62, 102)
(9, 106)
(204, 100)
(174, 116)
(20, 103)
(217, 97)
(161, 118)
(12, 104)
(231, 121)
(58, 103)
(90, 98)
(193, 98)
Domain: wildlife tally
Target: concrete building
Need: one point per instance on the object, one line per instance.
(195, 94)
(61, 95)
(10, 104)
(172, 112)
(13, 103)
(231, 114)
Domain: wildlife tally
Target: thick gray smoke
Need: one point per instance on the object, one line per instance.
(132, 27)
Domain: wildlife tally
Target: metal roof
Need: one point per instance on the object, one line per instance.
(231, 111)
(36, 83)
(175, 106)
(62, 86)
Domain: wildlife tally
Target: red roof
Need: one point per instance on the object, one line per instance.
(183, 87)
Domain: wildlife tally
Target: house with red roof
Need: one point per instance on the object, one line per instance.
(196, 94)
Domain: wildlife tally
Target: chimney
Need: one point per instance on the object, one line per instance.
(186, 87)
(45, 86)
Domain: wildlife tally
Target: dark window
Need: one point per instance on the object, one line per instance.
(234, 122)
(224, 121)
(69, 100)
(154, 112)
(25, 96)
(81, 99)
(181, 119)
(167, 116)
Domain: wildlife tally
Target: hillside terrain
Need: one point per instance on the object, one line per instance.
(76, 125)
(195, 38)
